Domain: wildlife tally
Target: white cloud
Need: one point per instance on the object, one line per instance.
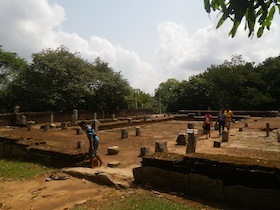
(32, 25)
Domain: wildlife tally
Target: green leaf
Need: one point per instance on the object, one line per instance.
(207, 6)
(260, 32)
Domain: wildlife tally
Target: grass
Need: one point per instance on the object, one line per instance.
(19, 170)
(139, 202)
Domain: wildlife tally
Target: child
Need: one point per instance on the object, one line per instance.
(93, 143)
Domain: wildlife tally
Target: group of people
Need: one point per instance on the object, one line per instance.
(223, 120)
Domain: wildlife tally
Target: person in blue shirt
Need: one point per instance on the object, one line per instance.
(93, 143)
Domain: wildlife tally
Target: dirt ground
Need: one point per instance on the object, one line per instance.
(251, 143)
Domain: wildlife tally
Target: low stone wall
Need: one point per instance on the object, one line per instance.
(232, 181)
(9, 148)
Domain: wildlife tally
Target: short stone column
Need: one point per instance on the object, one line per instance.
(190, 125)
(95, 124)
(138, 131)
(113, 150)
(129, 121)
(75, 117)
(23, 120)
(225, 136)
(191, 143)
(144, 151)
(113, 117)
(63, 125)
(161, 146)
(217, 144)
(245, 125)
(124, 133)
(51, 120)
(79, 131)
(47, 127)
(29, 127)
(80, 144)
(267, 129)
(95, 115)
(16, 110)
(182, 139)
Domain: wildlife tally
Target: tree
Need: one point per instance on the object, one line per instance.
(254, 11)
(11, 65)
(166, 93)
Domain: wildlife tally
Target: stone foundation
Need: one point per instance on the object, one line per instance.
(214, 177)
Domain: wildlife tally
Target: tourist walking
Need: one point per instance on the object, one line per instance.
(229, 116)
(93, 143)
(221, 121)
(207, 124)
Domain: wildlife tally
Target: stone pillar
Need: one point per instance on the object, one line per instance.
(16, 110)
(47, 127)
(124, 133)
(182, 139)
(23, 120)
(145, 118)
(144, 151)
(267, 129)
(113, 117)
(138, 131)
(75, 117)
(79, 131)
(29, 127)
(225, 136)
(113, 150)
(80, 144)
(245, 125)
(190, 125)
(129, 121)
(95, 115)
(94, 125)
(191, 143)
(63, 125)
(161, 146)
(51, 120)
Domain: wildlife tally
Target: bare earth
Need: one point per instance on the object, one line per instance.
(62, 194)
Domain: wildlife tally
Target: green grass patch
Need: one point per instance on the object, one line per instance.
(146, 202)
(18, 170)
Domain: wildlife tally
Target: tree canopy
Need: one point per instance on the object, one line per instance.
(257, 13)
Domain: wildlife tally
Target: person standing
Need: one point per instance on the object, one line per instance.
(229, 116)
(207, 123)
(221, 120)
(93, 143)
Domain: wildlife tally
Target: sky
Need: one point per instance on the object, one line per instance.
(148, 41)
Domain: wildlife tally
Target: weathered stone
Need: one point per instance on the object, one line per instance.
(191, 143)
(47, 127)
(79, 131)
(240, 129)
(80, 144)
(95, 124)
(161, 146)
(245, 125)
(114, 150)
(114, 164)
(190, 125)
(129, 121)
(225, 136)
(63, 125)
(124, 133)
(217, 144)
(138, 131)
(29, 127)
(144, 151)
(182, 139)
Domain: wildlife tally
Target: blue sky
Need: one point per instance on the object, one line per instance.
(148, 41)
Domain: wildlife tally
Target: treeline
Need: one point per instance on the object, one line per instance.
(58, 80)
(235, 84)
